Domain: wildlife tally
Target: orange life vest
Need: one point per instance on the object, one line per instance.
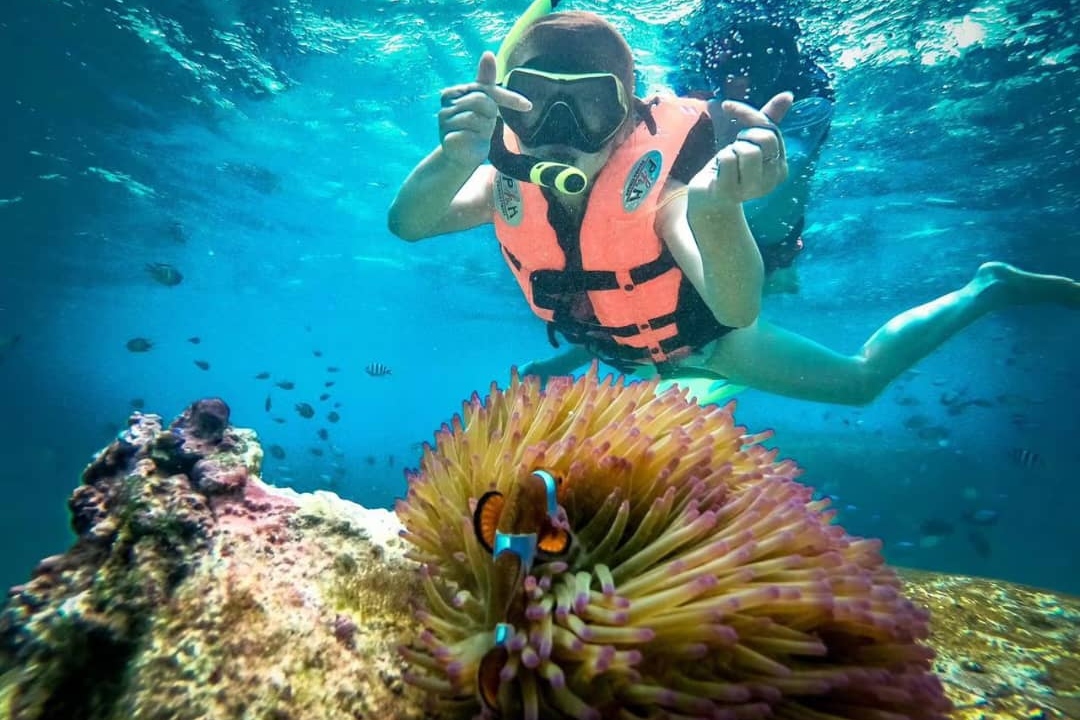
(613, 286)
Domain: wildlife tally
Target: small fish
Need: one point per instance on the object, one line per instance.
(369, 459)
(1025, 458)
(277, 452)
(323, 434)
(317, 353)
(194, 340)
(279, 420)
(317, 451)
(305, 410)
(916, 422)
(263, 376)
(8, 342)
(907, 401)
(936, 527)
(333, 369)
(332, 416)
(176, 231)
(528, 512)
(337, 404)
(139, 344)
(377, 370)
(390, 461)
(268, 404)
(979, 543)
(324, 396)
(984, 516)
(202, 364)
(138, 403)
(285, 384)
(165, 274)
(328, 383)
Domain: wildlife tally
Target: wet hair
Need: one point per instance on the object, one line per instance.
(575, 41)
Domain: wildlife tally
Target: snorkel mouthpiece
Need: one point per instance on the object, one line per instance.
(527, 168)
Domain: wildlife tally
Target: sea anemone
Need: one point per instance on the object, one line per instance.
(703, 582)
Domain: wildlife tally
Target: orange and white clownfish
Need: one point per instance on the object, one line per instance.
(514, 528)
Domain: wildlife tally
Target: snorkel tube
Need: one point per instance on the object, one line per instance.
(528, 168)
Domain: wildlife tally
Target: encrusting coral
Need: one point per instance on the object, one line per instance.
(702, 580)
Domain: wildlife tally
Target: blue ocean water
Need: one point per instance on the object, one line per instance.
(256, 146)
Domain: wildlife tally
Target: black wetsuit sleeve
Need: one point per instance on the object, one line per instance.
(700, 147)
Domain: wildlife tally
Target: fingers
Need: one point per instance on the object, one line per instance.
(778, 107)
(487, 69)
(748, 169)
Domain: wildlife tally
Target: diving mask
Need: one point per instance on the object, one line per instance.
(582, 111)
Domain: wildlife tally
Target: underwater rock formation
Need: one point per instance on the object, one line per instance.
(195, 590)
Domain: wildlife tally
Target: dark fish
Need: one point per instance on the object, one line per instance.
(333, 369)
(277, 452)
(907, 401)
(194, 340)
(369, 459)
(286, 384)
(916, 422)
(263, 376)
(177, 232)
(165, 274)
(317, 353)
(305, 410)
(390, 460)
(324, 396)
(279, 420)
(323, 434)
(985, 516)
(332, 416)
(1025, 458)
(528, 510)
(936, 527)
(138, 403)
(328, 383)
(202, 364)
(934, 432)
(139, 344)
(980, 543)
(337, 404)
(316, 451)
(267, 404)
(377, 370)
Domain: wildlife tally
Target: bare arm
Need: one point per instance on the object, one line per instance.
(449, 190)
(441, 196)
(705, 228)
(715, 249)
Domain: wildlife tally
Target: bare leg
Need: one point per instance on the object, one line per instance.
(776, 360)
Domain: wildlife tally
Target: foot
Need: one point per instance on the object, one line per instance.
(1012, 286)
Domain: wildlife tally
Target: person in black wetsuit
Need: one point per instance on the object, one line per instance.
(750, 57)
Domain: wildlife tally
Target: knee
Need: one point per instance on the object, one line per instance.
(868, 383)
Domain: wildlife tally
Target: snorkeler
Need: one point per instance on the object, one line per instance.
(750, 56)
(622, 222)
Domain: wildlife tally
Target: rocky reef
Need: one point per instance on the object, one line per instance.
(196, 590)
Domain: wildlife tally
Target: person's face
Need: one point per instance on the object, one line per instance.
(573, 114)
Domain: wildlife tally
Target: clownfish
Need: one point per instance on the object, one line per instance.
(514, 528)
